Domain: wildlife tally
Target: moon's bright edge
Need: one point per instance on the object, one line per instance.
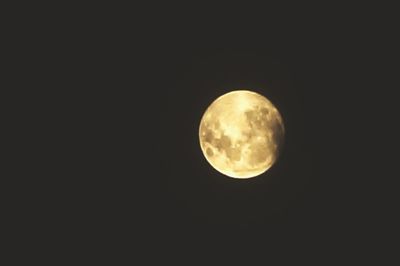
(241, 134)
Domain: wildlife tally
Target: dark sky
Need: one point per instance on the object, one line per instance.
(149, 190)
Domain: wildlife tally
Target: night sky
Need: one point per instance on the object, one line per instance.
(147, 189)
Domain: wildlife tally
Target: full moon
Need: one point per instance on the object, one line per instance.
(241, 134)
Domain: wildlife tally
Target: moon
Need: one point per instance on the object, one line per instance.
(241, 134)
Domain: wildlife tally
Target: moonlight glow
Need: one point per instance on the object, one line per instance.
(241, 134)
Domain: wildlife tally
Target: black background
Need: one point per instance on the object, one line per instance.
(138, 182)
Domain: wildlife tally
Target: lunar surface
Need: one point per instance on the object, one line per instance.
(241, 134)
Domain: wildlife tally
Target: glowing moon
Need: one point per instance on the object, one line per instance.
(241, 134)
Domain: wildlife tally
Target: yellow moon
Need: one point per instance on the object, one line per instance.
(241, 134)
